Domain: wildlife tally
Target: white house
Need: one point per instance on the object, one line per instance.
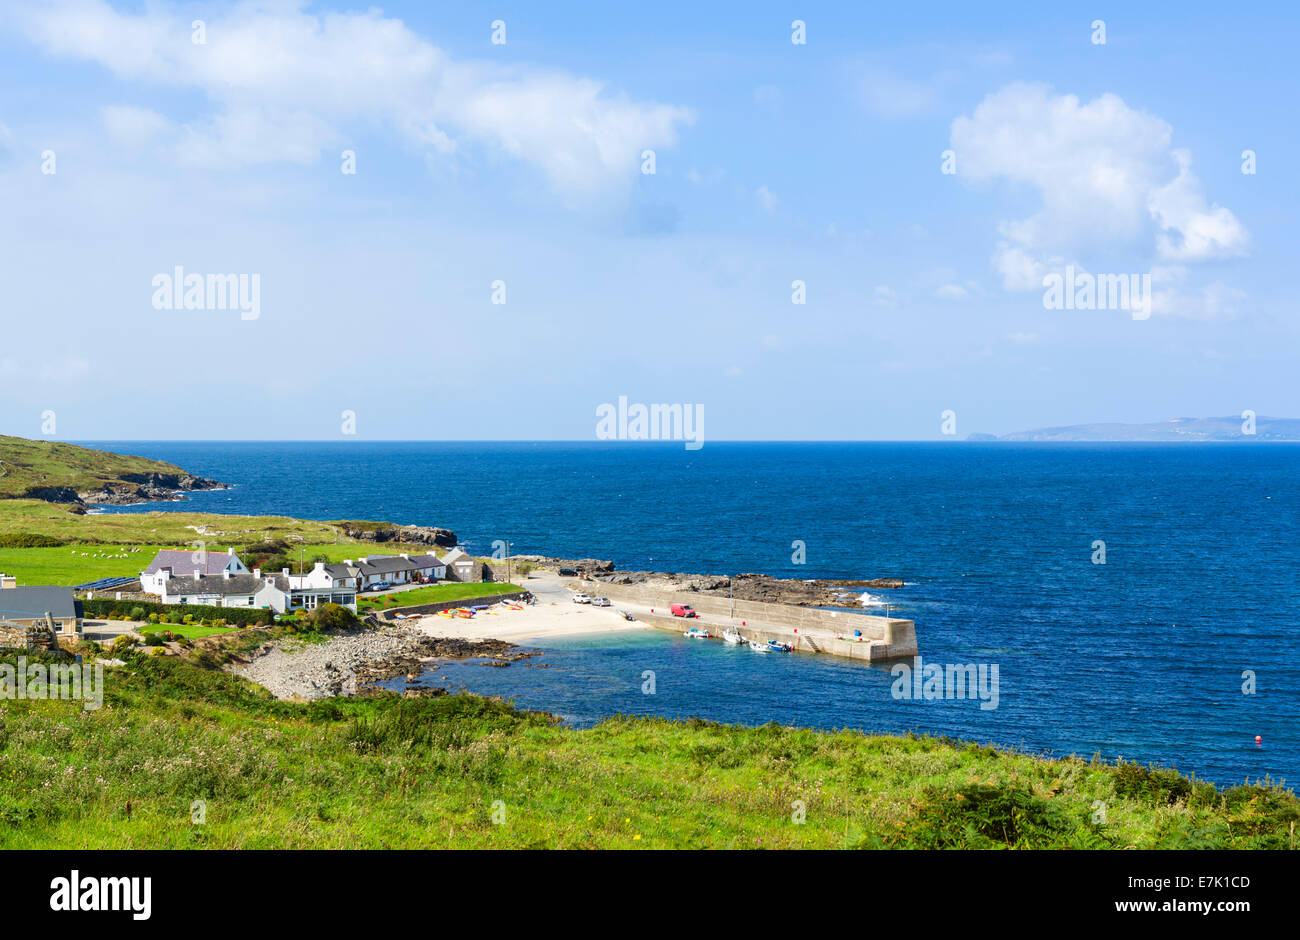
(222, 590)
(186, 563)
(276, 592)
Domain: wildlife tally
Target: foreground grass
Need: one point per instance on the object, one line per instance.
(451, 591)
(174, 741)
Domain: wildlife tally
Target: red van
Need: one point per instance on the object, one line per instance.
(683, 610)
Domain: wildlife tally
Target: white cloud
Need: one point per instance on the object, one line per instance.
(131, 125)
(952, 292)
(1172, 296)
(286, 83)
(1191, 230)
(891, 96)
(1103, 172)
(767, 199)
(885, 296)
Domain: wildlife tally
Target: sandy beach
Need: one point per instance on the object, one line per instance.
(554, 614)
(294, 670)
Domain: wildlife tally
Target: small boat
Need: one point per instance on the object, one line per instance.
(758, 647)
(446, 613)
(463, 613)
(732, 635)
(515, 606)
(625, 615)
(776, 647)
(695, 633)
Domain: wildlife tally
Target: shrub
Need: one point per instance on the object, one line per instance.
(332, 617)
(29, 540)
(153, 639)
(138, 613)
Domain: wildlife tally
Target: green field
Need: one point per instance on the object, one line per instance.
(83, 563)
(451, 591)
(466, 772)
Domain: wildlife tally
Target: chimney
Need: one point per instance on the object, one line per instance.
(404, 555)
(225, 574)
(198, 575)
(320, 566)
(284, 572)
(230, 551)
(8, 581)
(257, 572)
(164, 574)
(348, 562)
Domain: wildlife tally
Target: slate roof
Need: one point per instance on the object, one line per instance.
(341, 571)
(183, 562)
(385, 564)
(235, 584)
(456, 555)
(422, 562)
(24, 603)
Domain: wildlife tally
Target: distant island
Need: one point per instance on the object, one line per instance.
(1175, 429)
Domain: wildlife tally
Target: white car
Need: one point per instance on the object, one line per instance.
(581, 599)
(600, 602)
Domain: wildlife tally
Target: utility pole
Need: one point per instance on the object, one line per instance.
(507, 561)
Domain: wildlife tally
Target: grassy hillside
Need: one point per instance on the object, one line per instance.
(31, 516)
(461, 771)
(38, 465)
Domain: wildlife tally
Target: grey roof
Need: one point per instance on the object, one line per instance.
(385, 564)
(22, 603)
(456, 555)
(342, 571)
(182, 562)
(235, 584)
(427, 561)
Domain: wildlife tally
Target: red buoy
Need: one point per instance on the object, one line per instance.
(1258, 740)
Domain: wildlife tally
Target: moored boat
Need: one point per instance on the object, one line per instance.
(732, 635)
(758, 647)
(695, 633)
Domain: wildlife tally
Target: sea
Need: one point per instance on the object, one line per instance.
(1139, 601)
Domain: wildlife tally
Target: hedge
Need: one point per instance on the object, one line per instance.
(105, 607)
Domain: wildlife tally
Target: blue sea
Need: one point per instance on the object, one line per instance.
(1141, 657)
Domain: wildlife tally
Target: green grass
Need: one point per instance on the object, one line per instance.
(451, 591)
(180, 529)
(393, 772)
(76, 564)
(190, 631)
(86, 562)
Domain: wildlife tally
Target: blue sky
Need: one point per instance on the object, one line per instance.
(520, 162)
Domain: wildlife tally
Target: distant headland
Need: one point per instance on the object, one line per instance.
(1245, 427)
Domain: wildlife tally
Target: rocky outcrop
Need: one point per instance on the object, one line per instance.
(747, 587)
(406, 534)
(148, 487)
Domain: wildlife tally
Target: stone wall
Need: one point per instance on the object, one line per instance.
(899, 636)
(450, 605)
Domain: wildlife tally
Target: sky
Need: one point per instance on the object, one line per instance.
(921, 171)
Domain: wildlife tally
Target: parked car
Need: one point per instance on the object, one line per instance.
(568, 573)
(581, 599)
(683, 610)
(380, 586)
(600, 602)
